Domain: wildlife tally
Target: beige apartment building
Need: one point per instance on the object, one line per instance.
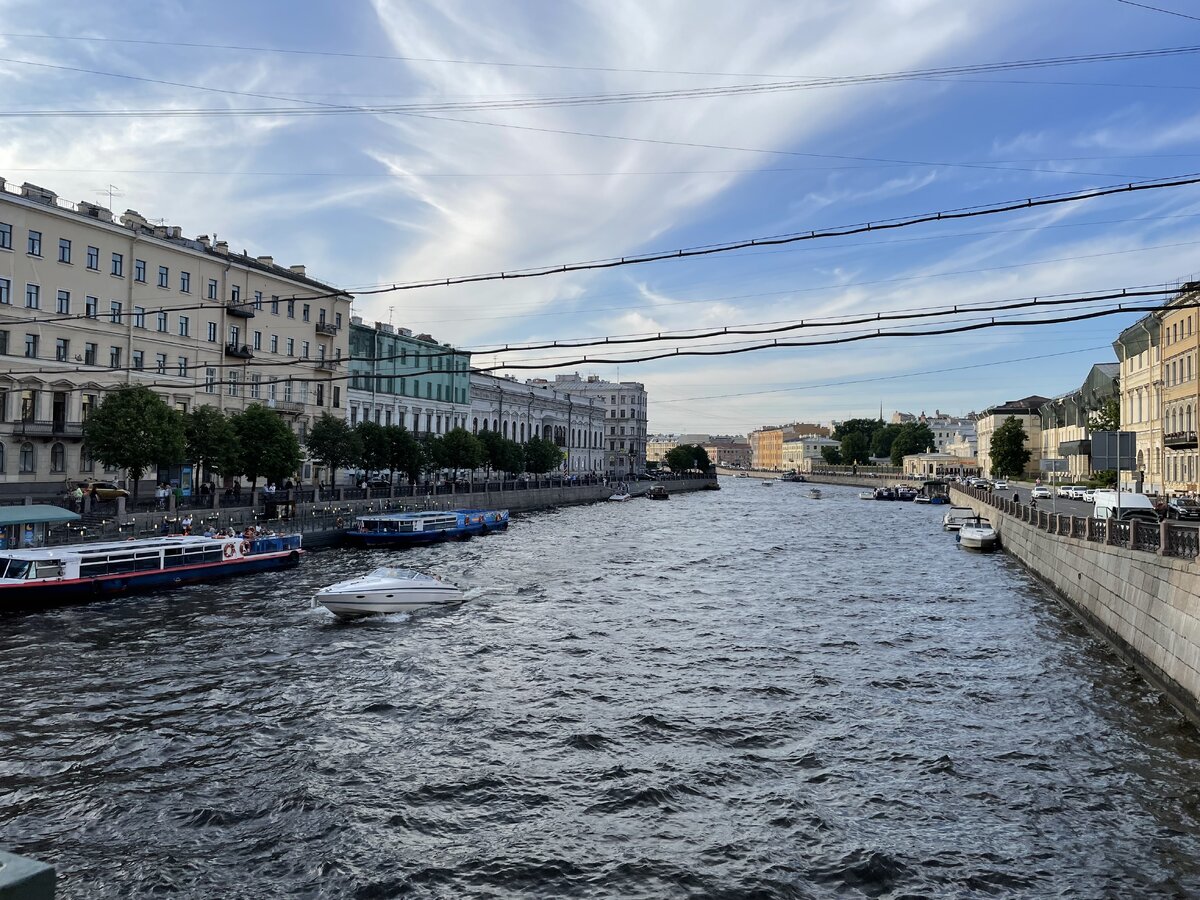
(88, 304)
(1065, 433)
(1138, 348)
(1028, 412)
(1180, 355)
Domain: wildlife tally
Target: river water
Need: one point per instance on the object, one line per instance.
(730, 695)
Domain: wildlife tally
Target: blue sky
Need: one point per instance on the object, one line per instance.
(368, 198)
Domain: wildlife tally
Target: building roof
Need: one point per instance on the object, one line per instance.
(1141, 335)
(1029, 404)
(37, 514)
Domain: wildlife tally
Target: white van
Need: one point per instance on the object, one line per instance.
(1133, 506)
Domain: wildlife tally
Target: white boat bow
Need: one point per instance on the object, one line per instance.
(387, 590)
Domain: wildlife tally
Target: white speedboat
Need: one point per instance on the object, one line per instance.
(977, 534)
(814, 493)
(866, 495)
(768, 482)
(622, 493)
(955, 516)
(387, 590)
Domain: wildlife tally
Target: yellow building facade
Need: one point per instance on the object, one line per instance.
(1180, 353)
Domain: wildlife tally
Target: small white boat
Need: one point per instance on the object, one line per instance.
(768, 482)
(955, 516)
(387, 590)
(814, 493)
(622, 493)
(977, 534)
(866, 495)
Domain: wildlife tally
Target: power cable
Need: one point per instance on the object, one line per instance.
(1169, 12)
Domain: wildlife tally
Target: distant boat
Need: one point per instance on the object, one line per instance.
(387, 590)
(768, 482)
(658, 492)
(955, 517)
(621, 494)
(425, 527)
(814, 493)
(866, 495)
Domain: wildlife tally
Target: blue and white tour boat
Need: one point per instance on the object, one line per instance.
(400, 528)
(70, 573)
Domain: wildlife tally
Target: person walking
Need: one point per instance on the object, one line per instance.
(77, 496)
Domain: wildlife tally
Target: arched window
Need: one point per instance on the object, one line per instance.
(504, 429)
(58, 458)
(86, 463)
(495, 424)
(475, 425)
(522, 432)
(28, 458)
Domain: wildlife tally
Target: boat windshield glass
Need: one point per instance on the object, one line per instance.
(16, 568)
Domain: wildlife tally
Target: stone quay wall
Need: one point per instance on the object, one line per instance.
(1121, 581)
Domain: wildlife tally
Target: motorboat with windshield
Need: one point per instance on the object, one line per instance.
(977, 534)
(955, 516)
(387, 590)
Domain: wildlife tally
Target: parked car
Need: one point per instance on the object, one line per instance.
(1183, 508)
(1089, 495)
(1000, 485)
(103, 490)
(1067, 491)
(1041, 492)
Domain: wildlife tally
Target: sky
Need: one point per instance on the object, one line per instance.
(387, 142)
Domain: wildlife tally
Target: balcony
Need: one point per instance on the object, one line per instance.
(326, 365)
(327, 329)
(287, 407)
(241, 351)
(48, 428)
(241, 310)
(1180, 440)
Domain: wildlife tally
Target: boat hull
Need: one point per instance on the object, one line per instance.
(358, 605)
(981, 539)
(471, 523)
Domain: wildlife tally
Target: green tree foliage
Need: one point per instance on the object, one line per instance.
(374, 444)
(881, 443)
(856, 449)
(831, 455)
(1009, 453)
(405, 453)
(269, 448)
(512, 457)
(461, 450)
(210, 440)
(134, 429)
(913, 437)
(687, 457)
(492, 445)
(333, 444)
(542, 455)
(1107, 417)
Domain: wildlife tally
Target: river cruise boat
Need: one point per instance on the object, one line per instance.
(71, 573)
(401, 528)
(387, 590)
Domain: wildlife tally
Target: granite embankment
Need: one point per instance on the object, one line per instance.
(1135, 584)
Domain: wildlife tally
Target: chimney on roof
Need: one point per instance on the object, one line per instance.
(356, 320)
(297, 270)
(267, 260)
(175, 232)
(222, 247)
(133, 219)
(40, 194)
(203, 241)
(92, 211)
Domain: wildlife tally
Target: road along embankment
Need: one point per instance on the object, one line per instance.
(1135, 584)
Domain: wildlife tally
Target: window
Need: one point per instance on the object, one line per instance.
(182, 366)
(210, 381)
(58, 457)
(5, 236)
(34, 247)
(255, 386)
(274, 305)
(114, 357)
(235, 335)
(139, 317)
(62, 349)
(28, 459)
(139, 270)
(31, 346)
(138, 360)
(212, 332)
(89, 354)
(291, 309)
(291, 347)
(305, 312)
(160, 363)
(274, 343)
(64, 303)
(118, 265)
(5, 291)
(320, 394)
(235, 294)
(184, 326)
(162, 323)
(258, 299)
(304, 349)
(258, 340)
(91, 307)
(164, 276)
(33, 295)
(64, 250)
(93, 258)
(212, 289)
(114, 308)
(337, 397)
(3, 346)
(86, 463)
(235, 389)
(185, 282)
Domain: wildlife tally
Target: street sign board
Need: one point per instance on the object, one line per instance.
(1053, 465)
(1114, 450)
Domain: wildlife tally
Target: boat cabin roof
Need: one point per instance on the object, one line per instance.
(152, 543)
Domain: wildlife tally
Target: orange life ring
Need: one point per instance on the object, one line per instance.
(229, 551)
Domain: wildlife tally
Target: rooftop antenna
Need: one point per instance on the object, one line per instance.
(110, 190)
(391, 309)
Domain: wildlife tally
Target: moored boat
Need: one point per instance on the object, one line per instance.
(955, 517)
(54, 575)
(387, 590)
(401, 528)
(866, 495)
(977, 534)
(659, 492)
